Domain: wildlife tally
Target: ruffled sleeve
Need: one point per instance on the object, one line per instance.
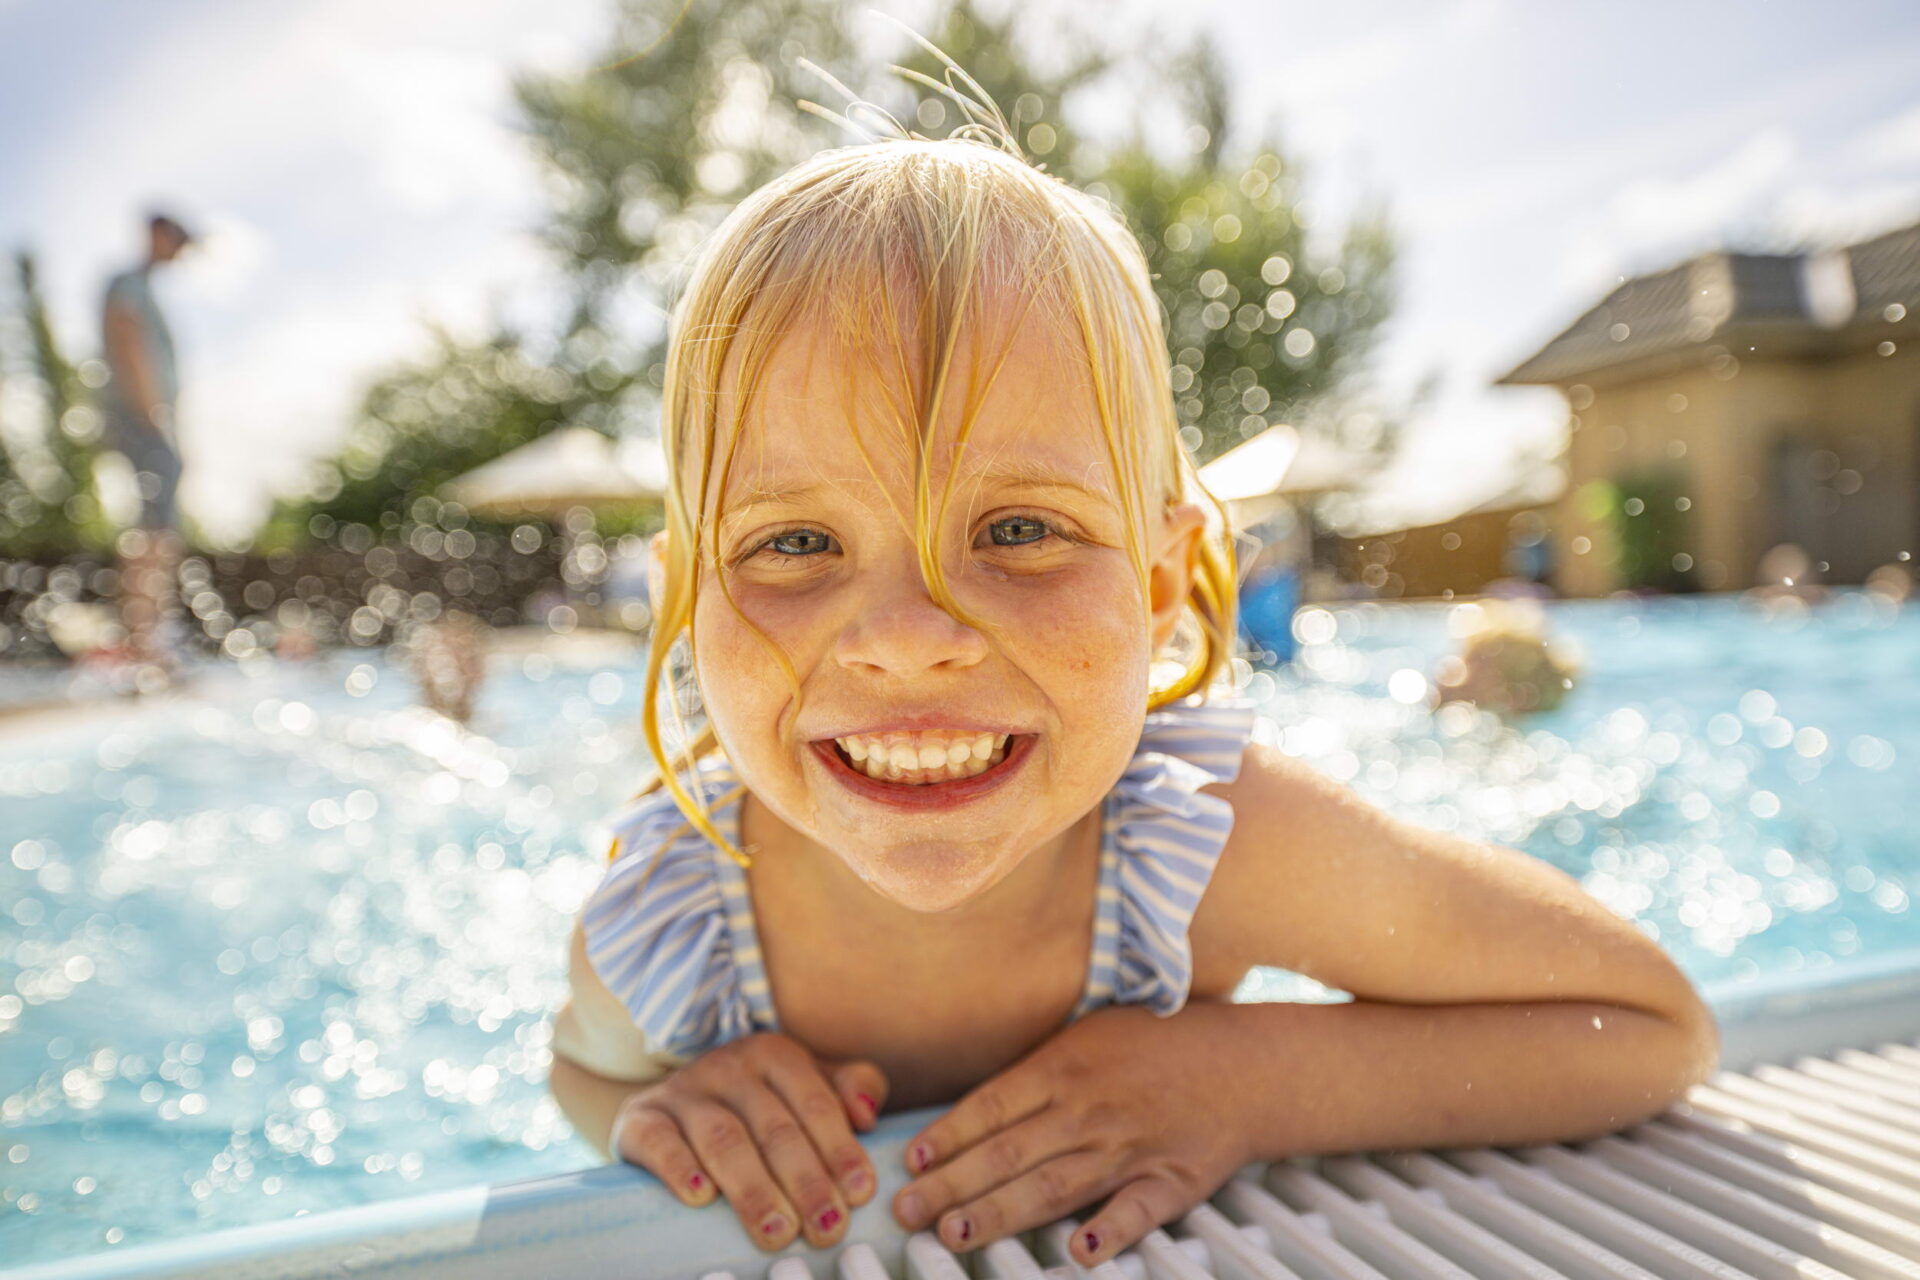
(1167, 837)
(658, 934)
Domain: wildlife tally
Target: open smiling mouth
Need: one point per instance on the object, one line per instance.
(906, 767)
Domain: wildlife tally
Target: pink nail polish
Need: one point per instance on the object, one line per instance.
(922, 1156)
(873, 1108)
(1091, 1240)
(962, 1230)
(829, 1219)
(696, 1182)
(773, 1225)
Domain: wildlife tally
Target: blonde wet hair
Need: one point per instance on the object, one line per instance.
(913, 240)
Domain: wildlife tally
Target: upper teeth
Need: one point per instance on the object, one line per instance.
(936, 756)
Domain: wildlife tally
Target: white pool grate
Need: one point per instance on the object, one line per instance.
(1810, 1172)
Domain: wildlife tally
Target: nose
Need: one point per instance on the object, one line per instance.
(897, 629)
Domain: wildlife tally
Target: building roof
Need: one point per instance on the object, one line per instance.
(1685, 308)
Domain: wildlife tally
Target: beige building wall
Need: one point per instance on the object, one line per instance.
(1458, 557)
(1821, 451)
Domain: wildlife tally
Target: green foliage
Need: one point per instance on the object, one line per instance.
(47, 503)
(1259, 328)
(1650, 530)
(680, 119)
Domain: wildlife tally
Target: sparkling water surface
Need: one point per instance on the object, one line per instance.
(290, 943)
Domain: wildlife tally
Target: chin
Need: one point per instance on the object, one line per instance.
(929, 879)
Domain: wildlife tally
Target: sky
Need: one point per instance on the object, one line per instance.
(356, 166)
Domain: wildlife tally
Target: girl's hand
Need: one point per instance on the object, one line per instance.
(766, 1124)
(1121, 1102)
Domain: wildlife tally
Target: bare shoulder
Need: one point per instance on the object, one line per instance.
(1317, 880)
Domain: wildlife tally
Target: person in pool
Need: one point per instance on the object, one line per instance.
(971, 820)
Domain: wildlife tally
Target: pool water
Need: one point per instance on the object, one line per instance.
(290, 944)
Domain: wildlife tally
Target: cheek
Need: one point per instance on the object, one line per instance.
(1086, 624)
(732, 662)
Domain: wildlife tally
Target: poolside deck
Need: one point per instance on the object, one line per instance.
(1801, 1158)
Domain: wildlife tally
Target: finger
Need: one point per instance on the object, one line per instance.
(862, 1086)
(1135, 1209)
(994, 1162)
(1039, 1196)
(823, 1114)
(647, 1136)
(726, 1149)
(1001, 1102)
(796, 1165)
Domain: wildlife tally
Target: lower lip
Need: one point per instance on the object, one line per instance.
(930, 795)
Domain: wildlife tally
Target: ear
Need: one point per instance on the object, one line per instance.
(1170, 575)
(657, 567)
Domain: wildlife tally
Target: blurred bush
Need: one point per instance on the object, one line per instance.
(48, 434)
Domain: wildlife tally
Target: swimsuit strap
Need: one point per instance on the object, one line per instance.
(663, 928)
(748, 959)
(1161, 839)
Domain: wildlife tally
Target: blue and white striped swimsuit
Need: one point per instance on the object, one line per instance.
(683, 956)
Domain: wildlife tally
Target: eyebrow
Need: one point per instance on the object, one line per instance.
(1011, 475)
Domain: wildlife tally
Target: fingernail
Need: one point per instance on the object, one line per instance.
(828, 1219)
(696, 1182)
(857, 1181)
(959, 1230)
(913, 1211)
(1092, 1241)
(921, 1157)
(873, 1108)
(773, 1225)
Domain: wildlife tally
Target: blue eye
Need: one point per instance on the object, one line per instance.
(1017, 531)
(800, 542)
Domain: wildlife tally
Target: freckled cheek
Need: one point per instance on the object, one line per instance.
(740, 678)
(1088, 628)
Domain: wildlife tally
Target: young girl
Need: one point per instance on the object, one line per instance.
(971, 822)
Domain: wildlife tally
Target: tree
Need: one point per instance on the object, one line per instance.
(47, 504)
(1262, 326)
(649, 150)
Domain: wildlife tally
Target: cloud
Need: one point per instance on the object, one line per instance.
(1323, 94)
(1890, 144)
(431, 120)
(1768, 191)
(1841, 213)
(229, 257)
(1655, 211)
(1656, 219)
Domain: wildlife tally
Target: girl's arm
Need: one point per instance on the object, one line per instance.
(759, 1120)
(1495, 1001)
(599, 1056)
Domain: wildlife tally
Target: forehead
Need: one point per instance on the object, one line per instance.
(828, 404)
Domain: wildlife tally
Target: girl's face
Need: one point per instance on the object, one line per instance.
(988, 742)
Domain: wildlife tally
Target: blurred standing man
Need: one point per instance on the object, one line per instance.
(142, 390)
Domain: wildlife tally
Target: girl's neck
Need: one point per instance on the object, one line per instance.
(1048, 886)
